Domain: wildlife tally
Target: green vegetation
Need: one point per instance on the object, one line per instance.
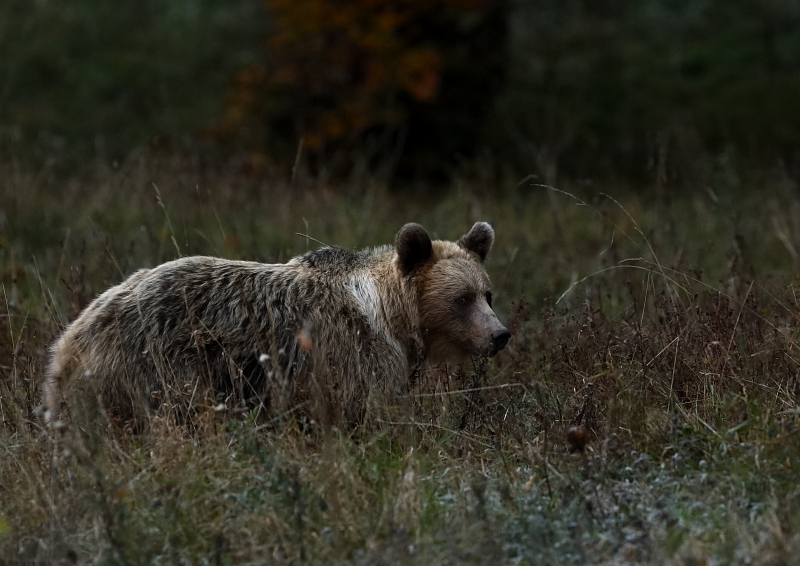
(649, 91)
(658, 90)
(85, 78)
(667, 328)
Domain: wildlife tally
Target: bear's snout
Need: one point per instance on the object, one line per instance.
(499, 339)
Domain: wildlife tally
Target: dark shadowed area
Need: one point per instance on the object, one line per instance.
(658, 92)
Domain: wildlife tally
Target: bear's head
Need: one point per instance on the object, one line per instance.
(453, 292)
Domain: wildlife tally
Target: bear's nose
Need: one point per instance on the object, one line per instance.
(500, 339)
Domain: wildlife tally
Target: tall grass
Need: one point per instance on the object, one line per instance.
(664, 332)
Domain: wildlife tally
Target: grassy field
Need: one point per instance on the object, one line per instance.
(666, 327)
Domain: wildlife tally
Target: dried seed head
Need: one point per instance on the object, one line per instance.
(577, 437)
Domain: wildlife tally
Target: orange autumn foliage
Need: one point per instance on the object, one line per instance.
(336, 69)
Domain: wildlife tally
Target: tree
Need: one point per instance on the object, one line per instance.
(340, 75)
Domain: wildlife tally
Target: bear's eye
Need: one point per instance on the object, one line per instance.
(489, 298)
(463, 300)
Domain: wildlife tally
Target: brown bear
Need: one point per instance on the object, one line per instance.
(330, 329)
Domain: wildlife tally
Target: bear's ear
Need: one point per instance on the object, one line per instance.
(413, 247)
(478, 240)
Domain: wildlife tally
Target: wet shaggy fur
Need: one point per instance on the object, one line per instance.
(338, 332)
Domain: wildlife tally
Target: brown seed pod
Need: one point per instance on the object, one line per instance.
(577, 437)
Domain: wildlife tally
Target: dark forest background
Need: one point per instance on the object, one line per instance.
(654, 93)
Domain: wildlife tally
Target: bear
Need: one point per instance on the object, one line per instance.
(340, 333)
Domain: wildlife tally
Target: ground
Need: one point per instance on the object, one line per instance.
(666, 326)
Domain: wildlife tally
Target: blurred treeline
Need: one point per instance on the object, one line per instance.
(649, 91)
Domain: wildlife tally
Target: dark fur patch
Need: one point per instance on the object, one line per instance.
(413, 247)
(323, 257)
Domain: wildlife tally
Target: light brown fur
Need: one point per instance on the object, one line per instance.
(336, 331)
